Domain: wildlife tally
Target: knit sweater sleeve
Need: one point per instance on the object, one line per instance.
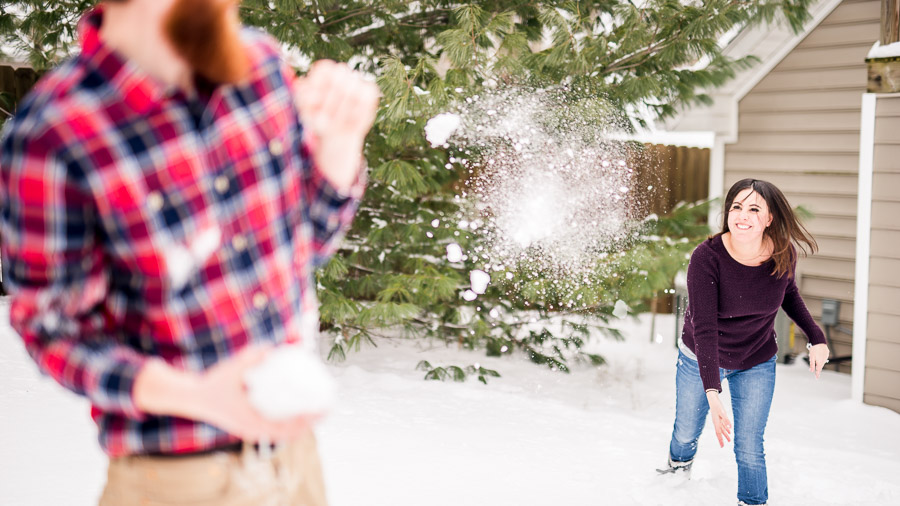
(796, 310)
(703, 297)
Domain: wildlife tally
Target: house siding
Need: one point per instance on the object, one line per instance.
(882, 376)
(799, 129)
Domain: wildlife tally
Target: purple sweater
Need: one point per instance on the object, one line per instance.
(730, 319)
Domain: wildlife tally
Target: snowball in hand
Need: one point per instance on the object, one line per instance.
(621, 309)
(290, 382)
(440, 128)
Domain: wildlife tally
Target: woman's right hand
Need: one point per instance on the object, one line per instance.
(719, 417)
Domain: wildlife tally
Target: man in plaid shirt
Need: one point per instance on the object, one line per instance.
(163, 209)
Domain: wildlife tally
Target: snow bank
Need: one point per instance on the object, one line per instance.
(530, 438)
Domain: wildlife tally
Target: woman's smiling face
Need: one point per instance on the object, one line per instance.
(748, 216)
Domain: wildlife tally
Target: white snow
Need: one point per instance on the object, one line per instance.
(206, 243)
(291, 381)
(180, 265)
(479, 280)
(454, 253)
(550, 186)
(620, 310)
(182, 261)
(530, 438)
(888, 51)
(538, 213)
(439, 128)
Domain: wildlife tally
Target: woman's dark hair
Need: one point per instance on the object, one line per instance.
(785, 230)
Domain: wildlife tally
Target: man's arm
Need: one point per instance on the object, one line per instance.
(54, 270)
(337, 109)
(217, 396)
(53, 267)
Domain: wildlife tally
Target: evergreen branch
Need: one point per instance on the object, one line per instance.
(317, 14)
(428, 19)
(453, 326)
(363, 269)
(350, 15)
(366, 330)
(618, 66)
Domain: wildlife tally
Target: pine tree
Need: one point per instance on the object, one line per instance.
(40, 31)
(656, 55)
(660, 56)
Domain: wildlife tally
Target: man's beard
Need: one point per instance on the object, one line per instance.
(206, 33)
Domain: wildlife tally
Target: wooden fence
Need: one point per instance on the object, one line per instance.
(15, 83)
(668, 175)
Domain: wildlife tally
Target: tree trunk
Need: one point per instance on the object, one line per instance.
(890, 21)
(884, 73)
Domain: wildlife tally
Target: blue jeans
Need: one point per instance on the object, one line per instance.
(751, 397)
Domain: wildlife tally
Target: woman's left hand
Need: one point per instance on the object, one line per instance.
(818, 357)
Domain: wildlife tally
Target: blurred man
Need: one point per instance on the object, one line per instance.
(166, 196)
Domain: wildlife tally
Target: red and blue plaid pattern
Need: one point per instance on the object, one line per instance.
(138, 222)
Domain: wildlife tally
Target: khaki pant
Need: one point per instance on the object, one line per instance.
(290, 476)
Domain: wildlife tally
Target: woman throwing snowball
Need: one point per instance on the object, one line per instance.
(737, 280)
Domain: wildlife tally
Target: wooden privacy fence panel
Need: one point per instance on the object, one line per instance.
(15, 83)
(666, 175)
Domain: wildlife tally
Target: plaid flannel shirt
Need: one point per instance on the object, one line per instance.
(138, 222)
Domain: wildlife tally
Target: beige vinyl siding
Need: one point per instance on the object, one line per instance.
(878, 400)
(884, 214)
(803, 100)
(884, 327)
(849, 12)
(805, 141)
(838, 247)
(799, 129)
(884, 387)
(884, 244)
(886, 158)
(882, 300)
(790, 162)
(824, 226)
(792, 121)
(882, 380)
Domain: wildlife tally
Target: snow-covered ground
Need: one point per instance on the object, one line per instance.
(532, 437)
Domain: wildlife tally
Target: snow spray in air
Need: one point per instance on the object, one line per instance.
(549, 188)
